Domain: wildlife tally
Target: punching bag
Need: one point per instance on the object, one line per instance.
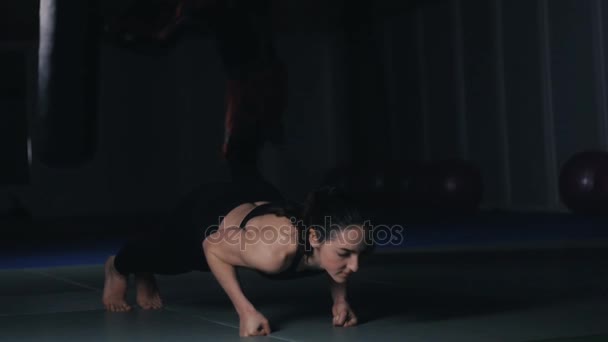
(64, 127)
(256, 93)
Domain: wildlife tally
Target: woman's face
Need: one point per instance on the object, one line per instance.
(340, 254)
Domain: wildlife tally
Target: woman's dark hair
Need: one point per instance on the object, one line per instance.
(328, 210)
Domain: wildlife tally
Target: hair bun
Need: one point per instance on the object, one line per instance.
(326, 199)
(333, 203)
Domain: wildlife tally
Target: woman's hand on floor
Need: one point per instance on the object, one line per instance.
(343, 315)
(253, 323)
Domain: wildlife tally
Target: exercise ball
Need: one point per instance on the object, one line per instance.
(583, 182)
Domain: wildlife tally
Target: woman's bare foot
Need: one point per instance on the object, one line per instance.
(148, 296)
(114, 289)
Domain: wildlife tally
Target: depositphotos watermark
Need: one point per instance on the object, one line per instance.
(354, 234)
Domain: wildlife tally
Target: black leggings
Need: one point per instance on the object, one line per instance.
(178, 248)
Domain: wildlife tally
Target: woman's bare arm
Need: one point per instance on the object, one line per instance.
(223, 268)
(343, 314)
(231, 247)
(338, 291)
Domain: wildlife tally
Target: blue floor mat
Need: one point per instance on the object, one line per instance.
(488, 230)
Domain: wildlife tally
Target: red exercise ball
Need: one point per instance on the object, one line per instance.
(583, 182)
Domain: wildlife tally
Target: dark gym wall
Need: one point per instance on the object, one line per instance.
(161, 127)
(517, 86)
(18, 31)
(13, 121)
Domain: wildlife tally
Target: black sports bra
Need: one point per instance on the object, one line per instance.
(291, 272)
